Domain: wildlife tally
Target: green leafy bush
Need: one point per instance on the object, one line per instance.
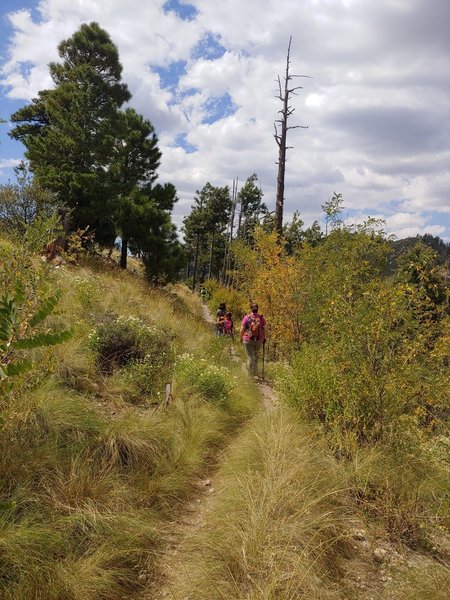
(128, 342)
(371, 367)
(22, 330)
(29, 297)
(87, 293)
(212, 382)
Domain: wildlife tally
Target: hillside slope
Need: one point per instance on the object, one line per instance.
(93, 460)
(113, 489)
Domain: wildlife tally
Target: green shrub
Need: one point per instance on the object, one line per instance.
(125, 341)
(237, 303)
(86, 292)
(212, 382)
(371, 367)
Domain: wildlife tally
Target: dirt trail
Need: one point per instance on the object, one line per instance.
(206, 314)
(190, 519)
(373, 572)
(194, 514)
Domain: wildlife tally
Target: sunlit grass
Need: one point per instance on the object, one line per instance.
(431, 581)
(276, 529)
(93, 470)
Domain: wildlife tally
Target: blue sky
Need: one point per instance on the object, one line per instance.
(377, 105)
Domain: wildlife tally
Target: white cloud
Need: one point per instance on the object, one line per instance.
(377, 106)
(6, 163)
(403, 232)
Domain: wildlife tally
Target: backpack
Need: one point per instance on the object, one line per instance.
(220, 322)
(254, 327)
(228, 327)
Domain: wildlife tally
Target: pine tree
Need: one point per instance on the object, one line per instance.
(135, 163)
(204, 230)
(70, 131)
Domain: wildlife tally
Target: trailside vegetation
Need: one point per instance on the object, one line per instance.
(95, 458)
(217, 218)
(359, 342)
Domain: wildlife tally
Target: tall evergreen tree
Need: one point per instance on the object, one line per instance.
(150, 232)
(70, 130)
(293, 234)
(252, 208)
(204, 230)
(135, 163)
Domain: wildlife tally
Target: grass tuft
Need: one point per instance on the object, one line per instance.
(277, 528)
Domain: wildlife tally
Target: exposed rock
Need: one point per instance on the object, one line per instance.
(380, 554)
(359, 534)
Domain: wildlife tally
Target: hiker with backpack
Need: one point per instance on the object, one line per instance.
(253, 328)
(220, 318)
(203, 293)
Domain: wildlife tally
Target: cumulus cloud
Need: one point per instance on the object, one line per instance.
(377, 105)
(7, 163)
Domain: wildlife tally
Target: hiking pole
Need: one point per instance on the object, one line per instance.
(263, 359)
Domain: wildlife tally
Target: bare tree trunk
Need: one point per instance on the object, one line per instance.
(123, 253)
(188, 266)
(229, 236)
(281, 138)
(211, 256)
(194, 274)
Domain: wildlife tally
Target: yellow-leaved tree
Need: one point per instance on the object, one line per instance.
(276, 281)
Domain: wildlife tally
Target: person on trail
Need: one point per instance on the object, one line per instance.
(253, 336)
(220, 318)
(228, 325)
(203, 293)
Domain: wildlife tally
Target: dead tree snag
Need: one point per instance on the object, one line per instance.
(281, 129)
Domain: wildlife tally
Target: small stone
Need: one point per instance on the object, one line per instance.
(207, 483)
(380, 554)
(359, 534)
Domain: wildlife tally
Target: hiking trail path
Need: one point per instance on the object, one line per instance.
(193, 515)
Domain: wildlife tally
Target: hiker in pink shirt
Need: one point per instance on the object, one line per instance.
(253, 336)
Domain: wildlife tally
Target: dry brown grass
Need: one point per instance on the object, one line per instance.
(275, 529)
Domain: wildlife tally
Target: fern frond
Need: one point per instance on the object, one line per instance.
(8, 318)
(42, 340)
(18, 368)
(20, 292)
(46, 309)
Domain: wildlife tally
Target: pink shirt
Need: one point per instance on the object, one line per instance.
(228, 326)
(246, 336)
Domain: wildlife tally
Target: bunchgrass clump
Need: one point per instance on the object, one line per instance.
(212, 382)
(277, 528)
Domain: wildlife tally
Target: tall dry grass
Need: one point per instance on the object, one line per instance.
(276, 529)
(94, 474)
